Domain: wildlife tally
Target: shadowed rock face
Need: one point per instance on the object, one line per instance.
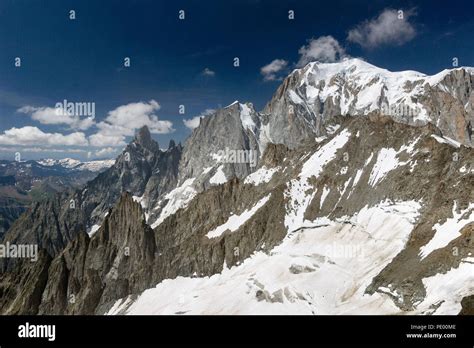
(467, 304)
(115, 261)
(143, 138)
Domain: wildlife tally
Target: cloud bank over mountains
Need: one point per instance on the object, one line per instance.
(119, 123)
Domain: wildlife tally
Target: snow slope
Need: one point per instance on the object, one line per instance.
(449, 230)
(319, 270)
(261, 175)
(175, 200)
(296, 193)
(234, 222)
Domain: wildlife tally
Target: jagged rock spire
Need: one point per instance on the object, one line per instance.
(143, 138)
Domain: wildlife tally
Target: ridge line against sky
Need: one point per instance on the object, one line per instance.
(147, 63)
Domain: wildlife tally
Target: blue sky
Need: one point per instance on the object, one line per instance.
(82, 60)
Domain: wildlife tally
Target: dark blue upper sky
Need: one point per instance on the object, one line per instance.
(82, 59)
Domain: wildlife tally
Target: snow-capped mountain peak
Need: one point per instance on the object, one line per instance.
(359, 87)
(97, 165)
(70, 163)
(65, 162)
(313, 95)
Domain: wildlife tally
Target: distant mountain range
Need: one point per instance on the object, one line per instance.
(73, 164)
(349, 193)
(22, 182)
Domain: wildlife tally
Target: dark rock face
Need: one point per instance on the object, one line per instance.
(21, 288)
(92, 272)
(88, 272)
(467, 304)
(274, 155)
(10, 210)
(143, 138)
(51, 224)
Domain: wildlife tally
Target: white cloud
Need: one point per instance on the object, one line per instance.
(48, 115)
(324, 49)
(110, 135)
(40, 149)
(34, 136)
(194, 122)
(270, 71)
(105, 152)
(124, 120)
(100, 140)
(119, 123)
(390, 27)
(208, 72)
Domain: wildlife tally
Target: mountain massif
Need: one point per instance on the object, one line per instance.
(349, 193)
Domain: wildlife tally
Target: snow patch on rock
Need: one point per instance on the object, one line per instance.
(449, 230)
(175, 200)
(219, 177)
(262, 175)
(234, 222)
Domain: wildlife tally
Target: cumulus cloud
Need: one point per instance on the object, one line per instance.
(270, 71)
(56, 116)
(34, 136)
(119, 123)
(124, 120)
(99, 140)
(105, 152)
(40, 149)
(324, 49)
(208, 72)
(390, 27)
(194, 122)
